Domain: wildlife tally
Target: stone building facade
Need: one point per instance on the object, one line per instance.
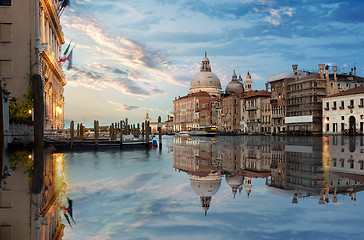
(343, 112)
(30, 44)
(305, 93)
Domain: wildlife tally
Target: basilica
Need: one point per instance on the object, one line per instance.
(233, 110)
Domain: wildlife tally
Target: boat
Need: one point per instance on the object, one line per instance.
(128, 141)
(203, 131)
(183, 134)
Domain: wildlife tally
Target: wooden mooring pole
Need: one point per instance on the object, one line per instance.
(38, 161)
(72, 132)
(96, 131)
(121, 133)
(160, 132)
(147, 134)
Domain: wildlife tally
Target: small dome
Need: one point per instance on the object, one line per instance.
(235, 181)
(234, 86)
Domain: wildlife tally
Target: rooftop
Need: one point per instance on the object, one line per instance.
(352, 91)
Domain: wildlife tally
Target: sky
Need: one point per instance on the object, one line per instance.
(134, 57)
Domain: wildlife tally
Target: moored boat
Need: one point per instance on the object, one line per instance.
(203, 131)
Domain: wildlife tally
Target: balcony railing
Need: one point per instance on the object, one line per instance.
(342, 107)
(333, 108)
(251, 108)
(278, 115)
(351, 106)
(360, 105)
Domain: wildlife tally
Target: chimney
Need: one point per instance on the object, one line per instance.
(351, 72)
(327, 72)
(294, 66)
(354, 70)
(168, 117)
(266, 87)
(335, 69)
(299, 74)
(321, 66)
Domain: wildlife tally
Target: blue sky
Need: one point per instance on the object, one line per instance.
(136, 56)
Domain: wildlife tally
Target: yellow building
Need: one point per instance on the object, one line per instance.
(30, 44)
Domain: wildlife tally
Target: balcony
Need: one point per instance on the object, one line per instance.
(342, 107)
(326, 108)
(351, 106)
(278, 115)
(333, 108)
(251, 108)
(360, 105)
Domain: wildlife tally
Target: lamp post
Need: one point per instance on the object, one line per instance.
(326, 122)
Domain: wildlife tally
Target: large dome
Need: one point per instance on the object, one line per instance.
(205, 186)
(205, 80)
(234, 86)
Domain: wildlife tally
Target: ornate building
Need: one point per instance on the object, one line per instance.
(30, 45)
(305, 95)
(194, 109)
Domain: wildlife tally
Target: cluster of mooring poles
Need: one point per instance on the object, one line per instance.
(116, 131)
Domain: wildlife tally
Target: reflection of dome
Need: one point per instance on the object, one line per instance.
(234, 86)
(205, 80)
(235, 182)
(205, 187)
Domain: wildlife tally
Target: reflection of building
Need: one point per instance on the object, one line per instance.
(313, 168)
(343, 112)
(30, 44)
(299, 166)
(25, 215)
(206, 161)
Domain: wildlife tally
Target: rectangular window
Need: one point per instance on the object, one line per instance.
(6, 68)
(342, 105)
(6, 32)
(334, 127)
(6, 199)
(342, 127)
(6, 232)
(342, 118)
(5, 2)
(334, 107)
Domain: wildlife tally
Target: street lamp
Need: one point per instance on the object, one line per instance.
(326, 123)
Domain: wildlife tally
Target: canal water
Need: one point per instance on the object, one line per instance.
(240, 187)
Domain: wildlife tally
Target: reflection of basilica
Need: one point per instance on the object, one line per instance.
(301, 167)
(26, 215)
(206, 161)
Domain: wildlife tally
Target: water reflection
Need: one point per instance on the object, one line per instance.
(24, 214)
(304, 167)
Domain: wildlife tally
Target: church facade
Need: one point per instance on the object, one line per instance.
(206, 105)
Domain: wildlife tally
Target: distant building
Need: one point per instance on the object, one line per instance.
(30, 44)
(305, 93)
(278, 84)
(343, 112)
(252, 111)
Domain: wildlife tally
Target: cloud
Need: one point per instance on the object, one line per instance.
(122, 51)
(100, 81)
(123, 107)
